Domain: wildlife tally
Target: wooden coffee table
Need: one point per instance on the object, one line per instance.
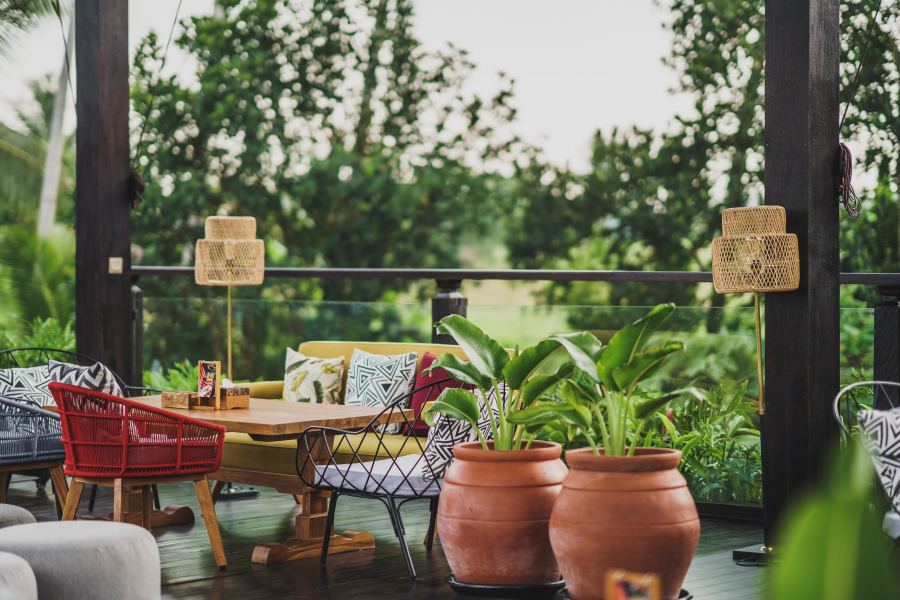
(275, 420)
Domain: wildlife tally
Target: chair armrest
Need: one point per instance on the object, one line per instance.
(267, 390)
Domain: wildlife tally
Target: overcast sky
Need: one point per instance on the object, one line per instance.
(579, 65)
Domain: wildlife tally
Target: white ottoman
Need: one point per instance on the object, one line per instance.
(16, 578)
(14, 515)
(88, 560)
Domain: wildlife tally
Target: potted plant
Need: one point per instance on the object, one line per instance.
(622, 506)
(497, 495)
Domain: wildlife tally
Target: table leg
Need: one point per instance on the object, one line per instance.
(310, 526)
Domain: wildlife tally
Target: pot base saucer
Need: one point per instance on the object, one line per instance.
(684, 595)
(540, 591)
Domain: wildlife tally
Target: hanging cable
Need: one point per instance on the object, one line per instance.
(62, 30)
(136, 183)
(848, 196)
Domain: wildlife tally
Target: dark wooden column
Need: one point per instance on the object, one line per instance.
(802, 329)
(887, 346)
(103, 305)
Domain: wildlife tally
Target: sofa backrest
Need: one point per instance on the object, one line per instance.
(345, 349)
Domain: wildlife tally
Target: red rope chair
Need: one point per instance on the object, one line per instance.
(122, 443)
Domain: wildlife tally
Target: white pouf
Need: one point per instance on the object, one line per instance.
(14, 515)
(88, 560)
(17, 580)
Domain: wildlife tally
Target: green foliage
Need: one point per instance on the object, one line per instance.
(831, 546)
(182, 378)
(40, 333)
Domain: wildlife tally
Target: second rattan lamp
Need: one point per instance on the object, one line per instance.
(755, 254)
(230, 255)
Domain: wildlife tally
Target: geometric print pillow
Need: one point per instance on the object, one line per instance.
(447, 432)
(27, 384)
(880, 433)
(377, 380)
(96, 377)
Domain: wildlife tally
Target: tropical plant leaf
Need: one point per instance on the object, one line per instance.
(456, 403)
(519, 369)
(643, 365)
(629, 341)
(645, 408)
(484, 353)
(460, 370)
(584, 349)
(570, 414)
(539, 384)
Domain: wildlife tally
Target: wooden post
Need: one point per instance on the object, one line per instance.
(887, 345)
(802, 327)
(449, 301)
(103, 304)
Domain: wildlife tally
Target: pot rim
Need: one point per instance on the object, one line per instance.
(539, 451)
(644, 459)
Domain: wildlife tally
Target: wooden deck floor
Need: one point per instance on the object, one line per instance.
(189, 571)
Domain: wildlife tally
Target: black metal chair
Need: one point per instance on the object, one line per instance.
(37, 356)
(393, 480)
(885, 395)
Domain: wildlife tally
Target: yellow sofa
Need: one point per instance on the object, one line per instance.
(263, 462)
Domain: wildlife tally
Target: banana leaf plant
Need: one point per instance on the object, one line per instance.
(614, 372)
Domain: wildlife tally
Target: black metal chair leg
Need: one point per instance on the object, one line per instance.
(398, 528)
(432, 524)
(155, 497)
(93, 497)
(329, 523)
(7, 477)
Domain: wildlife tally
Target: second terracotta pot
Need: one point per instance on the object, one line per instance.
(494, 513)
(632, 513)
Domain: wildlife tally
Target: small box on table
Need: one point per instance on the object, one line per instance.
(236, 397)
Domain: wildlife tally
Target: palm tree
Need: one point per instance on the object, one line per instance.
(16, 17)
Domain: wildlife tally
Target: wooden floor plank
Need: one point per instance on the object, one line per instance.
(189, 569)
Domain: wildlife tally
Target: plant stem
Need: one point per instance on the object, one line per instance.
(591, 442)
(504, 426)
(487, 405)
(481, 437)
(603, 431)
(528, 445)
(637, 435)
(517, 439)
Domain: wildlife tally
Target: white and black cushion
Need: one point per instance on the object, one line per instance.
(880, 432)
(402, 476)
(378, 380)
(446, 433)
(96, 377)
(29, 383)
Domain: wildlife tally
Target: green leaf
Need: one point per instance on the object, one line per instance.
(643, 365)
(484, 353)
(457, 403)
(557, 436)
(645, 408)
(519, 369)
(460, 370)
(670, 427)
(539, 384)
(584, 349)
(571, 414)
(629, 341)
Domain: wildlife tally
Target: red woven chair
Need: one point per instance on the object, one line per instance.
(123, 444)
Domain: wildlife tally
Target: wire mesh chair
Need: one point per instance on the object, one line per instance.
(120, 443)
(393, 478)
(884, 396)
(38, 356)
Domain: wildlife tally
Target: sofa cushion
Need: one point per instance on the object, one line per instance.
(311, 379)
(267, 390)
(30, 383)
(96, 377)
(242, 452)
(429, 394)
(400, 477)
(377, 380)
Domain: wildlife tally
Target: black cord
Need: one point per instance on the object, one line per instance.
(848, 196)
(62, 30)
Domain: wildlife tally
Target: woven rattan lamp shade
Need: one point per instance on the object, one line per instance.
(758, 259)
(230, 255)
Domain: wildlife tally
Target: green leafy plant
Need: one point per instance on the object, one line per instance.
(183, 377)
(612, 377)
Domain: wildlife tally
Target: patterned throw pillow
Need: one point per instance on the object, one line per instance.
(880, 432)
(444, 435)
(96, 377)
(377, 380)
(27, 384)
(310, 379)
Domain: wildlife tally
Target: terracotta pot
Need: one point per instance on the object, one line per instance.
(617, 512)
(494, 513)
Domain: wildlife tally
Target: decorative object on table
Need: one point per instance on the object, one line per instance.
(95, 377)
(229, 398)
(377, 380)
(230, 255)
(594, 525)
(755, 254)
(311, 379)
(209, 382)
(176, 399)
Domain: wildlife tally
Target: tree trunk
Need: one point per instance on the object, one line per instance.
(53, 160)
(370, 79)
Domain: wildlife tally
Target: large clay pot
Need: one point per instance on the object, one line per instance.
(494, 513)
(633, 513)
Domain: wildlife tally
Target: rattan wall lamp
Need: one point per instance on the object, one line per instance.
(230, 255)
(755, 254)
